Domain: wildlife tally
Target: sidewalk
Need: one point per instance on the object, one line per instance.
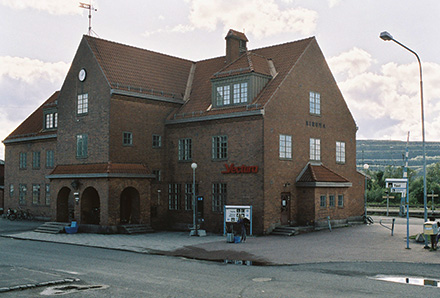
(358, 243)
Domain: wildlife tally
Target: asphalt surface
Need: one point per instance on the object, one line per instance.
(361, 243)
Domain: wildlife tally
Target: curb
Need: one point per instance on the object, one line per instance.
(40, 284)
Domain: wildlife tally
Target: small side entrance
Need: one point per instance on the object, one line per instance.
(285, 208)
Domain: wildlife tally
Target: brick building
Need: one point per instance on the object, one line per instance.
(267, 127)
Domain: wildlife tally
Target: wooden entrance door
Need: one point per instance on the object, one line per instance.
(285, 208)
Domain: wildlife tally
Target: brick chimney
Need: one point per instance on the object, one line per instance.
(235, 45)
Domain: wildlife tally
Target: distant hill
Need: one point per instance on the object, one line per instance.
(379, 154)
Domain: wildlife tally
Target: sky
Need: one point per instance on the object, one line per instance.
(379, 80)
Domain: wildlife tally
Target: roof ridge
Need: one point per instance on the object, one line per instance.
(88, 37)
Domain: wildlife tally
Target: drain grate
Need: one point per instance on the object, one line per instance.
(69, 289)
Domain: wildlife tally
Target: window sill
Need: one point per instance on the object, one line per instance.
(219, 159)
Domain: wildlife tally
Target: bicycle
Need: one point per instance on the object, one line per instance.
(368, 220)
(25, 214)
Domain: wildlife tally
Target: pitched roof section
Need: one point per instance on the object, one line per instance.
(138, 69)
(32, 127)
(101, 170)
(247, 63)
(320, 176)
(283, 56)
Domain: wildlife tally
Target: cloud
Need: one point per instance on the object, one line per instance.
(55, 7)
(386, 102)
(333, 3)
(24, 84)
(353, 62)
(176, 29)
(31, 70)
(261, 18)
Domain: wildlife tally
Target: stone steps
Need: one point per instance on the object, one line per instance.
(52, 227)
(137, 229)
(285, 231)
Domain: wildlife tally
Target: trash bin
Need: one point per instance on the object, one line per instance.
(237, 239)
(430, 228)
(230, 237)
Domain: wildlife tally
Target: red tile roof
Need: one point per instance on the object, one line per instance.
(247, 63)
(33, 125)
(284, 57)
(320, 173)
(125, 66)
(155, 73)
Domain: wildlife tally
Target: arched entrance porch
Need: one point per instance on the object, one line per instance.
(129, 206)
(65, 206)
(90, 207)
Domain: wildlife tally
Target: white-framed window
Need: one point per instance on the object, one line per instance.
(23, 160)
(189, 195)
(22, 194)
(331, 201)
(315, 103)
(157, 173)
(341, 201)
(36, 159)
(219, 191)
(127, 138)
(36, 194)
(157, 141)
(223, 95)
(81, 145)
(340, 152)
(174, 191)
(315, 149)
(51, 120)
(50, 159)
(83, 103)
(185, 149)
(220, 147)
(285, 147)
(11, 190)
(240, 94)
(47, 197)
(231, 92)
(323, 201)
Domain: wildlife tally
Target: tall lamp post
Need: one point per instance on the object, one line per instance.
(366, 166)
(194, 232)
(387, 37)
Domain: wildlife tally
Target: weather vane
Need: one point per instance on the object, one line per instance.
(90, 8)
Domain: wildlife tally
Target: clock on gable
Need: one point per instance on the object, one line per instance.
(82, 75)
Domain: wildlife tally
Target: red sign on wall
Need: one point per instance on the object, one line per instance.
(232, 169)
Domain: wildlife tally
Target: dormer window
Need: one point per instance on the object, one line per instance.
(231, 92)
(50, 120)
(240, 92)
(223, 95)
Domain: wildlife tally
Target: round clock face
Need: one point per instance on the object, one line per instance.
(82, 75)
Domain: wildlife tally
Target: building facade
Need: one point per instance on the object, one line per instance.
(268, 128)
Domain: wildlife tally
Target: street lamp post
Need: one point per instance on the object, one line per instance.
(195, 231)
(366, 166)
(387, 37)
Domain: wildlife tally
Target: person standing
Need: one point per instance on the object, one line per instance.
(243, 228)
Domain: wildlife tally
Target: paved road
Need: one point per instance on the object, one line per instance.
(364, 243)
